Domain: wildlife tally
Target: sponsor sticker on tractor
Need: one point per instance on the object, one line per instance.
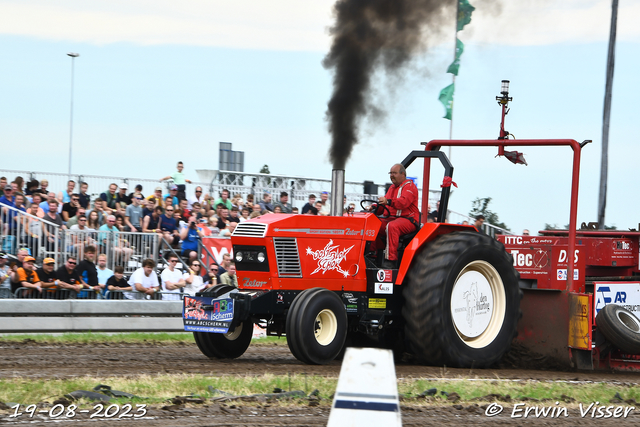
(377, 303)
(207, 314)
(384, 275)
(383, 288)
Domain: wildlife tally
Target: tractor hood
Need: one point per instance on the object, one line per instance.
(359, 225)
(284, 251)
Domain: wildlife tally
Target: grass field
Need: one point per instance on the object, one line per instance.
(157, 389)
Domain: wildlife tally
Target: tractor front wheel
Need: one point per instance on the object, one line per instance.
(316, 326)
(226, 346)
(462, 301)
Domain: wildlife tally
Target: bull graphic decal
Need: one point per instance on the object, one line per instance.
(329, 258)
(471, 296)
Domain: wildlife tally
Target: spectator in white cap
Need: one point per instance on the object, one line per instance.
(122, 194)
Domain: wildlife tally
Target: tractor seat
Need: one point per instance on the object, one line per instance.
(406, 238)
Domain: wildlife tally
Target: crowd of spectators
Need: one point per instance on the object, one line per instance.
(84, 279)
(179, 218)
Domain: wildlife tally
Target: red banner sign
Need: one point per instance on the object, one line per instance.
(218, 246)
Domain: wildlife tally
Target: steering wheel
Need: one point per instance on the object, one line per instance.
(374, 207)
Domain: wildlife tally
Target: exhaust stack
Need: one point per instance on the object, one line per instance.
(337, 192)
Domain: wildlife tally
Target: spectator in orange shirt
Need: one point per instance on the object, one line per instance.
(27, 277)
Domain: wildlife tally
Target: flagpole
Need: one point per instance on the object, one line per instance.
(604, 162)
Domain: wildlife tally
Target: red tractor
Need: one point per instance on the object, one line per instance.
(454, 300)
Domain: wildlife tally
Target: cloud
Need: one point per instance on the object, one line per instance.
(248, 24)
(294, 24)
(544, 22)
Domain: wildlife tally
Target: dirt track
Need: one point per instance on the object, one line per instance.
(32, 360)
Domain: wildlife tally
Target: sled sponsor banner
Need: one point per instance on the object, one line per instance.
(625, 295)
(561, 274)
(206, 314)
(579, 321)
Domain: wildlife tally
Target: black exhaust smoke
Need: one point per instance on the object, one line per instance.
(370, 35)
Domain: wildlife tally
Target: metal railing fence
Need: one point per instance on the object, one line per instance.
(454, 217)
(54, 293)
(213, 182)
(62, 294)
(19, 229)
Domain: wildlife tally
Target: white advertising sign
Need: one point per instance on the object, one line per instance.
(383, 288)
(626, 295)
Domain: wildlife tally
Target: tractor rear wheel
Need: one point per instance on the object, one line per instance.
(316, 326)
(462, 301)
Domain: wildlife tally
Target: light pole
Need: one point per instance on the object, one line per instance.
(73, 57)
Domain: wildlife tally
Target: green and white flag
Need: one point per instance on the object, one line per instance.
(455, 65)
(446, 97)
(464, 13)
(446, 94)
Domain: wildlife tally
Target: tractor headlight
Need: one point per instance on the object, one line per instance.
(251, 258)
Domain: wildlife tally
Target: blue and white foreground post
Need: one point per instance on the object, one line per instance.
(367, 393)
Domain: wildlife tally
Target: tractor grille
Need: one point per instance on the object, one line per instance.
(287, 257)
(250, 229)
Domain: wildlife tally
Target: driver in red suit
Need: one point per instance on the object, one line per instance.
(402, 201)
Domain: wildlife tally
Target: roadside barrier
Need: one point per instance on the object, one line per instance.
(77, 315)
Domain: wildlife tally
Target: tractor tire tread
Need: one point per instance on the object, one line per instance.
(424, 312)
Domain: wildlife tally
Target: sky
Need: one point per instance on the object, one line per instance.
(159, 81)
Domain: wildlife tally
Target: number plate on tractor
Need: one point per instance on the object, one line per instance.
(207, 314)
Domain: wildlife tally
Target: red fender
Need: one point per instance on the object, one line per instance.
(427, 233)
